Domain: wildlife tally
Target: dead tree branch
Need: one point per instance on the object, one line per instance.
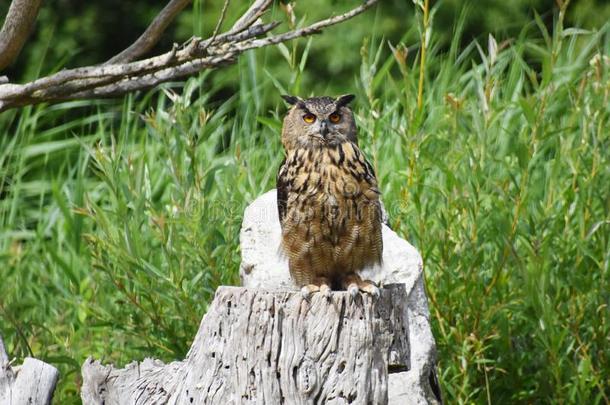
(153, 33)
(256, 10)
(17, 26)
(112, 80)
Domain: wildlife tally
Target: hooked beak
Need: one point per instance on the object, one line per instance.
(324, 128)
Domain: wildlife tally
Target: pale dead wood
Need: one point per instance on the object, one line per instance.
(31, 383)
(256, 10)
(17, 27)
(153, 33)
(113, 80)
(257, 346)
(313, 28)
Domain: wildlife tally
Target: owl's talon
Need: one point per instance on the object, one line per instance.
(353, 290)
(307, 290)
(325, 290)
(354, 284)
(370, 288)
(374, 291)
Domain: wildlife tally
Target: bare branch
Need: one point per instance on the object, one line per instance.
(153, 33)
(17, 26)
(221, 19)
(311, 29)
(257, 9)
(111, 80)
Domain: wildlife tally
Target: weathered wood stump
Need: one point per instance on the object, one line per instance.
(263, 268)
(267, 347)
(31, 383)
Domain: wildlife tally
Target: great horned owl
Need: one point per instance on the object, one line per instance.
(328, 200)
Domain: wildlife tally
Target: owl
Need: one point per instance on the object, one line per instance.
(328, 199)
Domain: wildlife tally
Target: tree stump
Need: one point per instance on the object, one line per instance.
(31, 383)
(272, 347)
(262, 267)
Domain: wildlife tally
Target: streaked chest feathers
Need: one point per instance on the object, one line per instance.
(331, 220)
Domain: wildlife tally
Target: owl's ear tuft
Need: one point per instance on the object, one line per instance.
(292, 100)
(344, 100)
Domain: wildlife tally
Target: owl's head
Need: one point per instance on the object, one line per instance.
(318, 122)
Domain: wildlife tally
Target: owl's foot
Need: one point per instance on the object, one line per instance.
(353, 284)
(325, 290)
(321, 286)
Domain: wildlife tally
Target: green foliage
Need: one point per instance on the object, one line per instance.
(119, 219)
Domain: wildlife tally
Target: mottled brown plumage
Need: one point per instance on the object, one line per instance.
(328, 199)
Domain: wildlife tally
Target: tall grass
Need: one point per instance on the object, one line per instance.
(118, 221)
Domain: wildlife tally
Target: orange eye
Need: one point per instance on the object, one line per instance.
(309, 118)
(334, 118)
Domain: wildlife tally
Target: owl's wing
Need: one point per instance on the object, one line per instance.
(282, 191)
(370, 173)
(367, 178)
(373, 219)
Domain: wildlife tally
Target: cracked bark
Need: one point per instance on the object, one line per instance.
(258, 346)
(31, 383)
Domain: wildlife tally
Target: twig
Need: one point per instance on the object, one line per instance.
(223, 13)
(311, 29)
(256, 10)
(153, 33)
